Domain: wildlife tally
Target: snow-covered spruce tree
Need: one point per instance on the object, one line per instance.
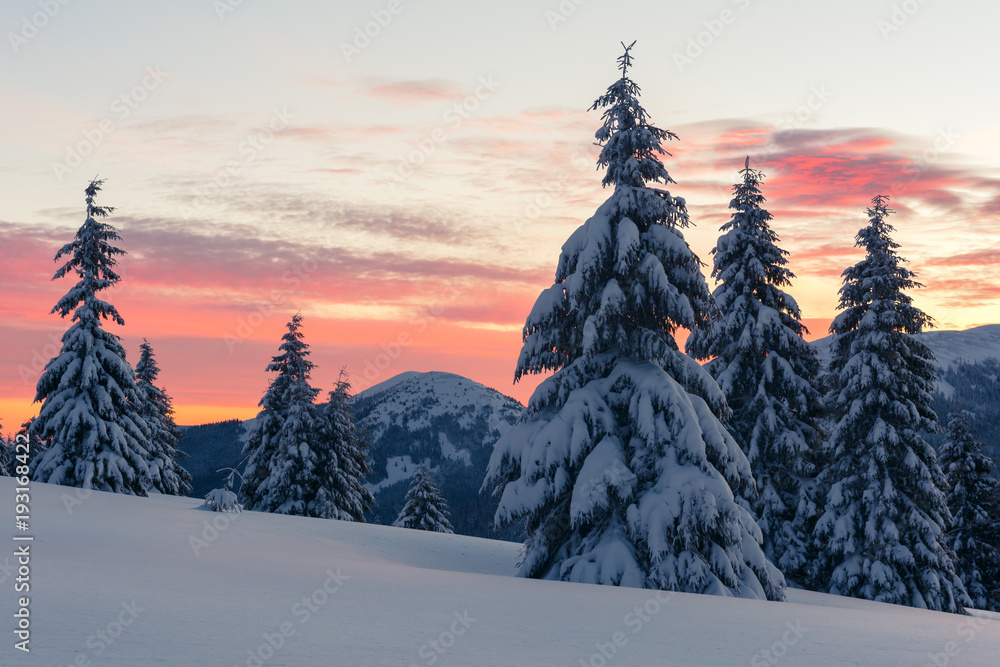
(882, 534)
(282, 475)
(165, 472)
(6, 455)
(620, 464)
(36, 445)
(89, 408)
(424, 508)
(293, 464)
(766, 371)
(974, 501)
(349, 443)
(224, 499)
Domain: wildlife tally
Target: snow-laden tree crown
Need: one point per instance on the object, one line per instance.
(620, 465)
(766, 370)
(882, 533)
(96, 437)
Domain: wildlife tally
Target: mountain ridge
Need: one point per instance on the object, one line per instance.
(451, 422)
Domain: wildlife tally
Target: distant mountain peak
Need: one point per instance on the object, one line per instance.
(439, 379)
(949, 346)
(444, 420)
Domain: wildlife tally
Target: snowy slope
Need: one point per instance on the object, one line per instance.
(117, 582)
(949, 347)
(971, 345)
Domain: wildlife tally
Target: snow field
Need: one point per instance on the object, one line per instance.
(118, 580)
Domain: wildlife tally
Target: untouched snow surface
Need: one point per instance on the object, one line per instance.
(115, 580)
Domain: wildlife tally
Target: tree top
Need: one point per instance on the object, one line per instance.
(625, 60)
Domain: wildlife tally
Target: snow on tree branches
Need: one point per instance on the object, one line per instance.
(349, 444)
(765, 368)
(424, 508)
(224, 499)
(974, 501)
(304, 458)
(88, 393)
(165, 473)
(36, 445)
(882, 534)
(620, 465)
(6, 455)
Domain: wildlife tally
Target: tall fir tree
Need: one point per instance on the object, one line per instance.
(882, 534)
(294, 465)
(156, 408)
(89, 400)
(424, 508)
(766, 371)
(282, 447)
(974, 501)
(620, 465)
(349, 444)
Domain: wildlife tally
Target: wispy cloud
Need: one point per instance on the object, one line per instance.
(414, 91)
(375, 263)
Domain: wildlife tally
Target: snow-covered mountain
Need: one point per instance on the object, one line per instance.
(968, 374)
(446, 421)
(949, 347)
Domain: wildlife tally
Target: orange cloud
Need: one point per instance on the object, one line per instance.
(387, 289)
(987, 257)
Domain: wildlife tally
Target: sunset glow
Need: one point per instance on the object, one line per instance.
(411, 200)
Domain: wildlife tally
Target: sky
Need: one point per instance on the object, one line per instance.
(404, 173)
